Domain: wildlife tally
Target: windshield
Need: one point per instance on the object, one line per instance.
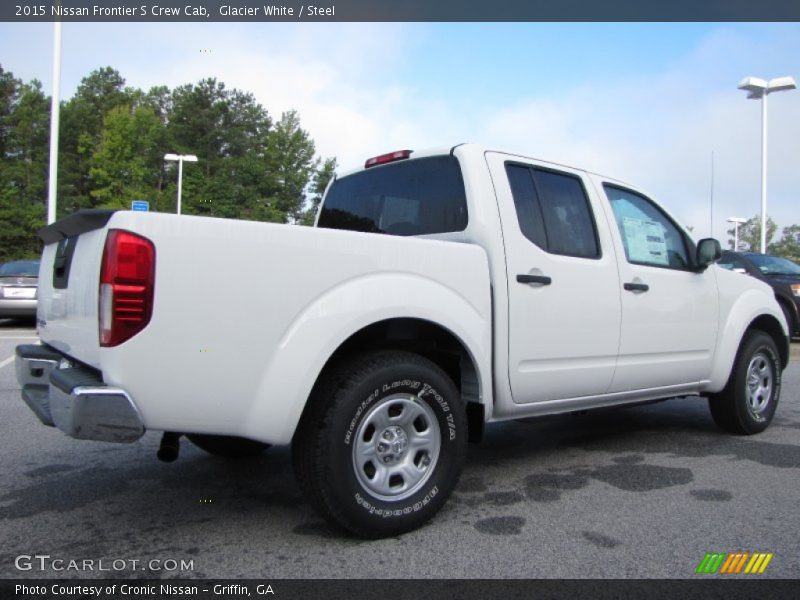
(20, 268)
(412, 197)
(774, 265)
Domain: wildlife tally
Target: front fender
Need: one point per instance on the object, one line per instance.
(747, 307)
(340, 312)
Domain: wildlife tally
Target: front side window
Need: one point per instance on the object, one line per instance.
(553, 211)
(648, 235)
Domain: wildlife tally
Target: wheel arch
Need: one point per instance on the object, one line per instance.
(431, 340)
(732, 341)
(791, 309)
(770, 325)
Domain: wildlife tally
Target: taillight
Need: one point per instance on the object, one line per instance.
(127, 280)
(387, 158)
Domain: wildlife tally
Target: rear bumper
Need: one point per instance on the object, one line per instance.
(75, 399)
(17, 308)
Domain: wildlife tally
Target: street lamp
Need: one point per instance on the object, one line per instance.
(758, 89)
(181, 158)
(736, 222)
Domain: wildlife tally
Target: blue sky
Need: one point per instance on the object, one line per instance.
(644, 102)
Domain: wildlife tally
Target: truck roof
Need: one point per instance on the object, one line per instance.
(478, 148)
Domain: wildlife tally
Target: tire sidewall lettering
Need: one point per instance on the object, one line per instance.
(396, 512)
(428, 392)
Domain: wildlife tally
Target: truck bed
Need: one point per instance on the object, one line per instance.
(235, 301)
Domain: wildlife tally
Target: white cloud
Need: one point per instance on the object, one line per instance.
(659, 132)
(357, 93)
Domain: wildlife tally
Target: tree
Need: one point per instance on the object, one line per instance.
(112, 144)
(24, 122)
(82, 118)
(789, 244)
(291, 164)
(318, 186)
(121, 166)
(8, 88)
(229, 132)
(750, 234)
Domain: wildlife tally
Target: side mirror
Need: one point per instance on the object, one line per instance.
(708, 252)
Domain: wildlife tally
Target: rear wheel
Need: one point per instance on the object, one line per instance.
(227, 446)
(382, 444)
(748, 402)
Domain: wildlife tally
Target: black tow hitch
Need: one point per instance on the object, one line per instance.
(170, 446)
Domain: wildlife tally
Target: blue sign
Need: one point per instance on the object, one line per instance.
(141, 205)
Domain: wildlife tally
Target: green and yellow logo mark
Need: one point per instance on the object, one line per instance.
(734, 563)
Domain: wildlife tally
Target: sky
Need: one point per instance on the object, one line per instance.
(647, 103)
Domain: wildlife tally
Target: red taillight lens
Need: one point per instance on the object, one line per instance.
(127, 280)
(387, 158)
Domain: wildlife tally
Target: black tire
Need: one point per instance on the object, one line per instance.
(227, 446)
(387, 395)
(748, 402)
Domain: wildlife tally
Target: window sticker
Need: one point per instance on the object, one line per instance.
(646, 242)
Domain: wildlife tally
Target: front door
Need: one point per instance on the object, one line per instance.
(669, 309)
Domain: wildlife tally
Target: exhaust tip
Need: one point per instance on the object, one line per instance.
(170, 447)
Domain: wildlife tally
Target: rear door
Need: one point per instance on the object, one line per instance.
(563, 283)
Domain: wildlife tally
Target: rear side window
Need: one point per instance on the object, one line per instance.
(648, 235)
(553, 211)
(412, 197)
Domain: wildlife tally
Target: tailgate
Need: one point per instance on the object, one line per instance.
(69, 282)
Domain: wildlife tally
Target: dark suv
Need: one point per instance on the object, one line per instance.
(781, 273)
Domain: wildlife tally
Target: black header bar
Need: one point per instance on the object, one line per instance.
(204, 11)
(731, 588)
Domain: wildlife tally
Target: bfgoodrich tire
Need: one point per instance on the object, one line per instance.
(382, 444)
(227, 446)
(748, 402)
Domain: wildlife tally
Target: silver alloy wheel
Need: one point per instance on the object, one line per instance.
(760, 382)
(396, 447)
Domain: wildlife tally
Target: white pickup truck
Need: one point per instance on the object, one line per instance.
(439, 291)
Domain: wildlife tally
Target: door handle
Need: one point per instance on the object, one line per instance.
(636, 287)
(540, 279)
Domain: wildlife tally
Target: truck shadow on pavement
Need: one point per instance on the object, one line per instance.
(127, 490)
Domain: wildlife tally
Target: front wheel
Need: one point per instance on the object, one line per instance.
(382, 444)
(748, 402)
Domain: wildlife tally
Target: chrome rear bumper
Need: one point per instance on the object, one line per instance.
(75, 399)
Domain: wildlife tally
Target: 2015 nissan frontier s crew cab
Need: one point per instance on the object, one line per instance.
(439, 291)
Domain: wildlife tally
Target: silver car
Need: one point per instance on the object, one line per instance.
(19, 281)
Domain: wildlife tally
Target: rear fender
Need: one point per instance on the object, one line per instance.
(332, 318)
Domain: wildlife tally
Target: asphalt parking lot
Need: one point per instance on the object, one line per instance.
(638, 492)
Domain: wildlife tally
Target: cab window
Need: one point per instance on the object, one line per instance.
(648, 235)
(553, 211)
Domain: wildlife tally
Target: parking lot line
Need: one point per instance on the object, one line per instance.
(7, 361)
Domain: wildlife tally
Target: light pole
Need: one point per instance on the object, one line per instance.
(55, 108)
(758, 89)
(181, 158)
(736, 222)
